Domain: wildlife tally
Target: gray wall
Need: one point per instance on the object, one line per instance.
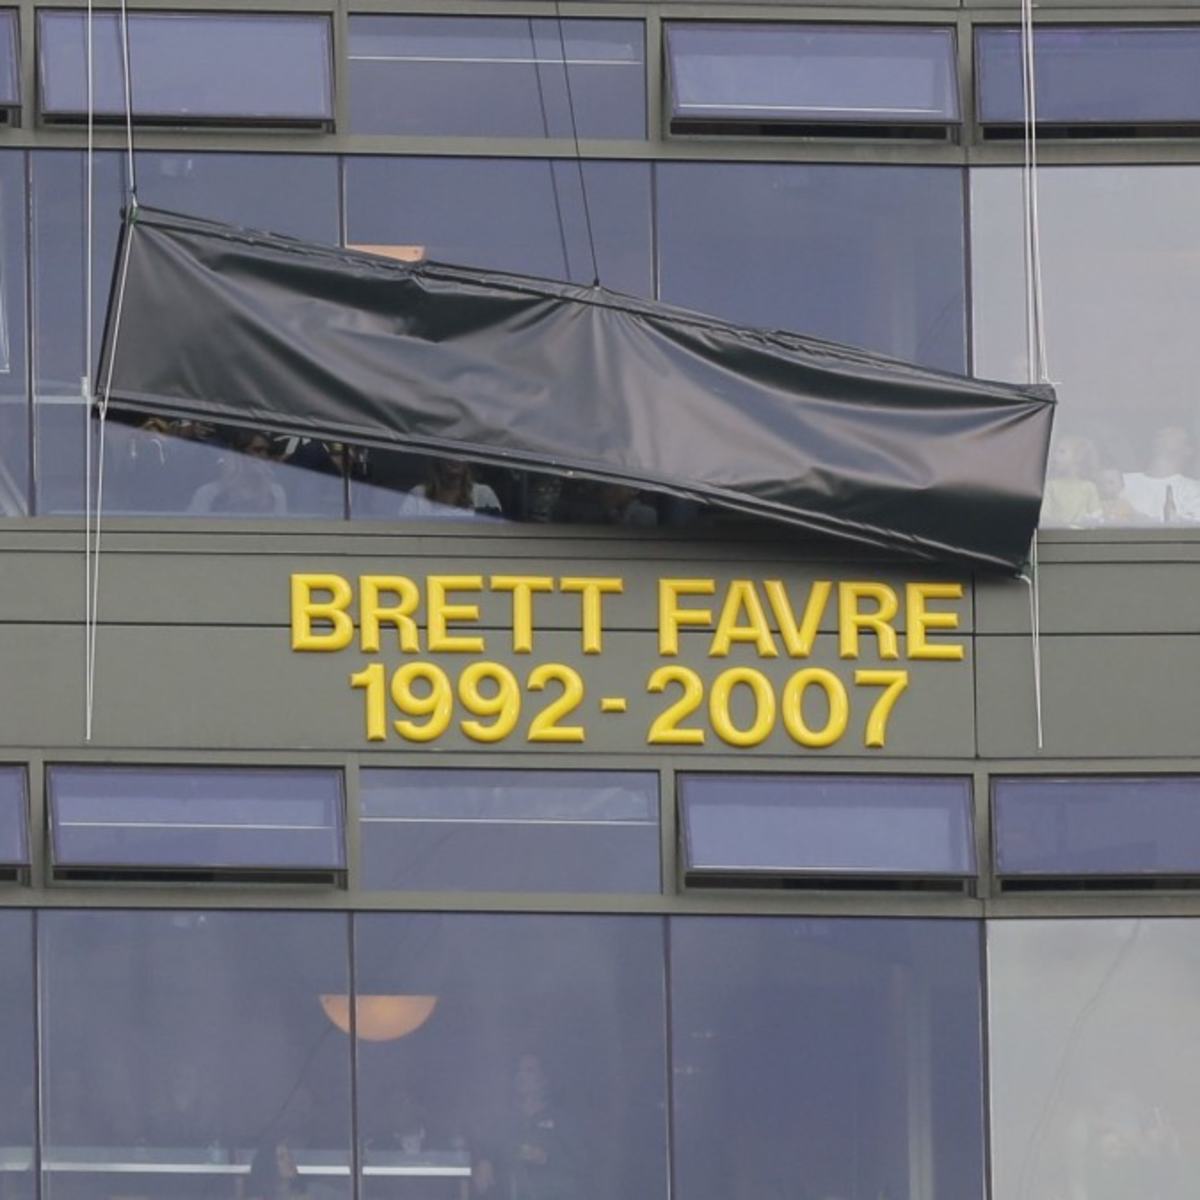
(194, 664)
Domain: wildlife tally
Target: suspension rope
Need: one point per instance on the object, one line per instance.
(1035, 326)
(550, 163)
(86, 385)
(92, 523)
(587, 211)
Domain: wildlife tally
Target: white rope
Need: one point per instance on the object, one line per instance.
(1035, 326)
(92, 530)
(86, 387)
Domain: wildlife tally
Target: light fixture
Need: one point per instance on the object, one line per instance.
(379, 1018)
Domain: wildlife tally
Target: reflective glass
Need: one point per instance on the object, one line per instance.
(827, 1058)
(511, 1056)
(14, 820)
(256, 68)
(496, 76)
(157, 466)
(1094, 826)
(827, 824)
(196, 817)
(14, 392)
(871, 256)
(1092, 74)
(503, 214)
(1120, 288)
(528, 831)
(17, 1048)
(189, 1054)
(812, 73)
(10, 73)
(1093, 1058)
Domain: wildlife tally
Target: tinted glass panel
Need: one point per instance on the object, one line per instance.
(166, 467)
(812, 73)
(524, 1054)
(872, 256)
(1119, 299)
(1093, 73)
(835, 1058)
(1097, 826)
(17, 1042)
(202, 817)
(187, 1054)
(14, 847)
(10, 84)
(827, 824)
(14, 392)
(1093, 1060)
(504, 214)
(544, 831)
(496, 77)
(189, 67)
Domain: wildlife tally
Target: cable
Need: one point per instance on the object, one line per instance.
(558, 209)
(86, 388)
(587, 211)
(92, 527)
(1035, 327)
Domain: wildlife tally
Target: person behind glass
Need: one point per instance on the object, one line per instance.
(607, 503)
(543, 1160)
(450, 484)
(246, 486)
(273, 1173)
(1072, 498)
(1114, 508)
(1162, 493)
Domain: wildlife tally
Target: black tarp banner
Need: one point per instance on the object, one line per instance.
(242, 328)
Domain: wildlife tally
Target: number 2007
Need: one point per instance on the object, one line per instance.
(668, 728)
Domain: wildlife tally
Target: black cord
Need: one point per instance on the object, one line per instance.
(562, 228)
(587, 212)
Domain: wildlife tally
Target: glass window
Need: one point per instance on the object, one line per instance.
(154, 466)
(827, 1058)
(188, 1054)
(14, 819)
(17, 1044)
(826, 825)
(189, 68)
(1092, 74)
(10, 73)
(496, 76)
(503, 214)
(1092, 826)
(14, 392)
(175, 817)
(811, 74)
(522, 1054)
(1120, 289)
(524, 831)
(871, 256)
(1093, 1057)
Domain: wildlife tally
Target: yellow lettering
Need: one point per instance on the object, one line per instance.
(851, 620)
(742, 597)
(441, 613)
(671, 616)
(592, 589)
(522, 588)
(799, 642)
(306, 611)
(921, 620)
(372, 614)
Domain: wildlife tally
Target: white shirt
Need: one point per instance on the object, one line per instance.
(1147, 495)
